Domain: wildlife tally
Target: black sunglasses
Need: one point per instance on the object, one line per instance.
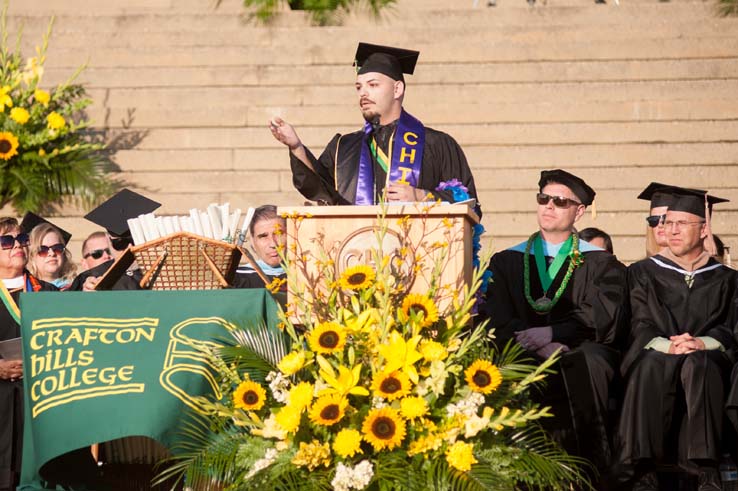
(43, 250)
(559, 201)
(655, 220)
(120, 243)
(7, 241)
(97, 253)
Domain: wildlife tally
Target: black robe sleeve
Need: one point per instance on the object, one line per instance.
(319, 185)
(128, 281)
(444, 160)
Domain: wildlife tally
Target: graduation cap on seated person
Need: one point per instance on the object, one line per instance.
(577, 185)
(698, 203)
(393, 62)
(31, 220)
(661, 194)
(113, 215)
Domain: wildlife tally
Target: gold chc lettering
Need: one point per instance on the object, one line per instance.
(85, 336)
(405, 171)
(408, 140)
(58, 359)
(404, 153)
(74, 377)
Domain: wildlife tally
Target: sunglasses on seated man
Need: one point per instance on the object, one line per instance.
(559, 201)
(655, 220)
(58, 249)
(97, 253)
(7, 241)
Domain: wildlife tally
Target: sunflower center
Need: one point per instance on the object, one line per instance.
(390, 385)
(330, 412)
(329, 339)
(5, 146)
(357, 278)
(419, 308)
(482, 378)
(250, 398)
(383, 428)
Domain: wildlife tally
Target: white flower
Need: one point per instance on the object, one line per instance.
(270, 429)
(279, 385)
(475, 424)
(358, 477)
(467, 407)
(378, 403)
(269, 457)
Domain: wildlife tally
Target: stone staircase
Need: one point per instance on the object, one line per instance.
(619, 94)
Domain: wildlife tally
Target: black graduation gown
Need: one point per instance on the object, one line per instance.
(128, 281)
(589, 318)
(338, 167)
(248, 278)
(660, 387)
(11, 404)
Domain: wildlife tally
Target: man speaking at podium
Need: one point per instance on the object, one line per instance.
(394, 152)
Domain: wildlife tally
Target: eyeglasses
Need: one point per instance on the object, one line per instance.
(559, 201)
(7, 241)
(655, 220)
(120, 243)
(681, 223)
(97, 253)
(58, 249)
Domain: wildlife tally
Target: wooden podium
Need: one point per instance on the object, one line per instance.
(347, 236)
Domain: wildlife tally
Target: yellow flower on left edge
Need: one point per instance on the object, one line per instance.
(249, 396)
(8, 145)
(5, 99)
(19, 115)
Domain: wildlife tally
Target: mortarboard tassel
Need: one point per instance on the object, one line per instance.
(709, 243)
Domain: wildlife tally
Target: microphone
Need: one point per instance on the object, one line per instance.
(375, 124)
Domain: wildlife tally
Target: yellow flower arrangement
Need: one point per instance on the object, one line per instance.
(380, 386)
(45, 154)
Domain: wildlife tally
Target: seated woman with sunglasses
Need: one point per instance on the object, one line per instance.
(50, 260)
(16, 279)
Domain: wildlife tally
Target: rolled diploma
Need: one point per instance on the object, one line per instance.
(186, 224)
(214, 216)
(197, 226)
(247, 222)
(233, 223)
(225, 213)
(175, 224)
(145, 226)
(153, 226)
(207, 230)
(168, 225)
(136, 231)
(160, 227)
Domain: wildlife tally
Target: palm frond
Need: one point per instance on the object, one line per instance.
(481, 477)
(257, 350)
(727, 8)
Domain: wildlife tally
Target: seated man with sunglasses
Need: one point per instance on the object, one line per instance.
(96, 249)
(679, 355)
(15, 279)
(113, 216)
(556, 292)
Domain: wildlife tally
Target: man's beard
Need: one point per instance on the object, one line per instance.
(371, 116)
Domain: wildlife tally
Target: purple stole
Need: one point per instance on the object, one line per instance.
(406, 159)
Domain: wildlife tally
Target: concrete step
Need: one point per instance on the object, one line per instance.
(657, 157)
(442, 52)
(416, 95)
(434, 113)
(428, 73)
(466, 135)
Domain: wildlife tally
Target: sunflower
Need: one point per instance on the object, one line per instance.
(391, 385)
(328, 410)
(19, 115)
(383, 428)
(347, 443)
(482, 376)
(8, 145)
(420, 304)
(413, 407)
(327, 337)
(357, 277)
(249, 396)
(55, 121)
(460, 456)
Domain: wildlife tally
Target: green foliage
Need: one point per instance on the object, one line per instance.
(322, 12)
(727, 8)
(46, 153)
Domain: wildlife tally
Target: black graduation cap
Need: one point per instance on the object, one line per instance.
(693, 201)
(31, 220)
(580, 188)
(387, 60)
(114, 213)
(661, 194)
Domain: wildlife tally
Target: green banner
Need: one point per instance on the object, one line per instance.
(104, 365)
